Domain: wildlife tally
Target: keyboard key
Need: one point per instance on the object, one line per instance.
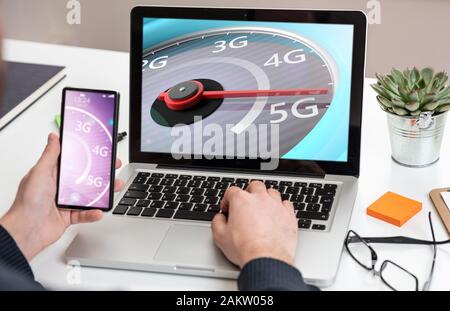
(242, 186)
(326, 207)
(221, 193)
(167, 182)
(307, 191)
(143, 203)
(153, 181)
(299, 206)
(271, 182)
(194, 183)
(211, 192)
(313, 207)
(192, 215)
(227, 179)
(211, 200)
(180, 183)
(214, 208)
(330, 186)
(165, 213)
(221, 185)
(182, 198)
(157, 204)
(185, 177)
(213, 178)
(197, 191)
(196, 199)
(326, 199)
(281, 189)
(286, 183)
(297, 198)
(154, 188)
(169, 197)
(183, 190)
(149, 212)
(139, 180)
(154, 196)
(208, 184)
(312, 215)
(200, 207)
(169, 189)
(134, 211)
(315, 185)
(198, 178)
(292, 190)
(318, 227)
(136, 195)
(157, 175)
(171, 205)
(185, 206)
(311, 199)
(242, 180)
(138, 187)
(143, 174)
(285, 196)
(126, 201)
(300, 184)
(171, 176)
(120, 210)
(304, 223)
(326, 192)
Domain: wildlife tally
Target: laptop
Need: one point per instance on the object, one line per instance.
(220, 97)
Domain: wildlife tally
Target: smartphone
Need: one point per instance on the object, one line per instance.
(88, 136)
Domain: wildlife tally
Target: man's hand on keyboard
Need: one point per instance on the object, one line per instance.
(34, 221)
(255, 223)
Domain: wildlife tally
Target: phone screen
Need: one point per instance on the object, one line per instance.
(88, 133)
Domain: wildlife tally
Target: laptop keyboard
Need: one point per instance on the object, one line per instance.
(191, 197)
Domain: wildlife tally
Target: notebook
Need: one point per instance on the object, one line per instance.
(25, 84)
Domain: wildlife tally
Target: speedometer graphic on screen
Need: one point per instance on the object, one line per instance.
(240, 76)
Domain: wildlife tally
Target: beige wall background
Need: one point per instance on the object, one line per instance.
(411, 32)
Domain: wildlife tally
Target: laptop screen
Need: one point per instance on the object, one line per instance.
(242, 89)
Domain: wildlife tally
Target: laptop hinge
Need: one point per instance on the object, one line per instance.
(242, 170)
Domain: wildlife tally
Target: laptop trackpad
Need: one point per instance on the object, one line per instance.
(191, 246)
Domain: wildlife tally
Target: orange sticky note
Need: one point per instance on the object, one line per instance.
(394, 208)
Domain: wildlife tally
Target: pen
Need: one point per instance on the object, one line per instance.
(121, 136)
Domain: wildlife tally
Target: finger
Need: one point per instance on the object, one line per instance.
(118, 163)
(274, 194)
(78, 217)
(118, 185)
(50, 155)
(230, 193)
(256, 187)
(219, 227)
(289, 205)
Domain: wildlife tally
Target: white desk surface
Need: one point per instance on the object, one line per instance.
(22, 142)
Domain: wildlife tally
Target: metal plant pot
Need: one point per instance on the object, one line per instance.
(416, 141)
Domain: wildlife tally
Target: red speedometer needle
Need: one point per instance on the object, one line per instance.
(256, 93)
(190, 93)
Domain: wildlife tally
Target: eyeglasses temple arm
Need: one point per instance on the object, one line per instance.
(397, 240)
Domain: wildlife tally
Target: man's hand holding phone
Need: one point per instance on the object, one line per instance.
(34, 220)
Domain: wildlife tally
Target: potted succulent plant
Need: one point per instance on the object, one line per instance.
(415, 103)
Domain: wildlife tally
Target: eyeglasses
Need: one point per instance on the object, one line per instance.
(392, 274)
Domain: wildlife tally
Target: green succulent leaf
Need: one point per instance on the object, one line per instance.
(427, 75)
(400, 111)
(413, 106)
(415, 113)
(384, 102)
(430, 106)
(443, 108)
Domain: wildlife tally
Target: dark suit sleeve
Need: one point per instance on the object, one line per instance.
(15, 272)
(267, 274)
